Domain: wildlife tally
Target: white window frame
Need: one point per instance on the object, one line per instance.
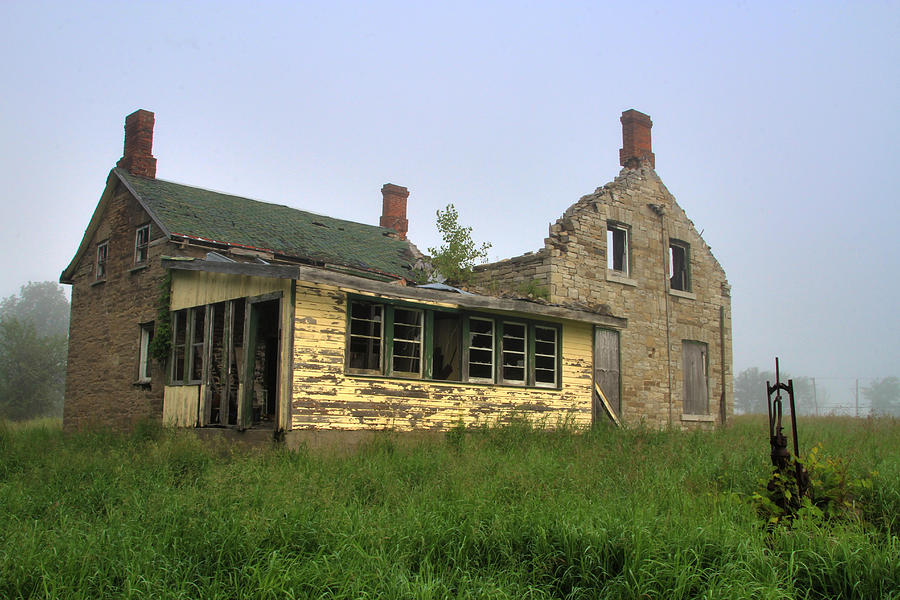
(612, 229)
(491, 349)
(142, 247)
(144, 366)
(554, 356)
(416, 341)
(102, 259)
(506, 352)
(686, 250)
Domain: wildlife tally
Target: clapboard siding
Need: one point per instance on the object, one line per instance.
(324, 397)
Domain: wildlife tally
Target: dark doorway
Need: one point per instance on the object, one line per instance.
(261, 374)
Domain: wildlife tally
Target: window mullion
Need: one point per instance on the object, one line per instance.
(529, 357)
(387, 357)
(427, 337)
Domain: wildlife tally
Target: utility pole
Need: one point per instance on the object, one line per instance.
(857, 397)
(815, 397)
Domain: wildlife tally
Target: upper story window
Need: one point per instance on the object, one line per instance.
(440, 345)
(617, 258)
(141, 244)
(679, 266)
(102, 254)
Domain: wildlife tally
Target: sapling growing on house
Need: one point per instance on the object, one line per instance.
(454, 260)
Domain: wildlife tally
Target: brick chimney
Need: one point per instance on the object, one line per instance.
(137, 158)
(636, 140)
(393, 212)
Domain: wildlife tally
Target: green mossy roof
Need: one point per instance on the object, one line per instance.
(226, 219)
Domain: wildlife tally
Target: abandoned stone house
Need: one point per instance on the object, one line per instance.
(285, 321)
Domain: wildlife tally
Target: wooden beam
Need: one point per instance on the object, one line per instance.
(607, 406)
(353, 283)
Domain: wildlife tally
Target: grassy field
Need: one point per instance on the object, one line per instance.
(508, 512)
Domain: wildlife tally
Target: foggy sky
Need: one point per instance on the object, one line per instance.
(775, 127)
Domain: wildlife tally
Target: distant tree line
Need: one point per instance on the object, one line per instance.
(882, 395)
(34, 329)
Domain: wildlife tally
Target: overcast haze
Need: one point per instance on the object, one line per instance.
(775, 127)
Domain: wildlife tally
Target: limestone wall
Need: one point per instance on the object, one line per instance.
(574, 263)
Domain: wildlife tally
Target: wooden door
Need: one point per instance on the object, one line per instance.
(696, 390)
(606, 374)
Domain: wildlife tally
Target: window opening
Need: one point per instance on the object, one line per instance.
(514, 353)
(366, 319)
(446, 346)
(236, 359)
(406, 356)
(617, 248)
(445, 352)
(141, 244)
(545, 356)
(198, 321)
(265, 361)
(144, 353)
(679, 257)
(481, 350)
(179, 326)
(217, 379)
(102, 252)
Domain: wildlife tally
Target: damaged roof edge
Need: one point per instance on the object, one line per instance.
(394, 290)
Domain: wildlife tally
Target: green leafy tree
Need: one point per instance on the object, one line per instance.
(883, 396)
(32, 371)
(43, 303)
(33, 342)
(750, 392)
(454, 260)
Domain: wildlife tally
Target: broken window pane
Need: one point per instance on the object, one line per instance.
(617, 248)
(481, 350)
(679, 264)
(546, 352)
(514, 352)
(407, 351)
(365, 336)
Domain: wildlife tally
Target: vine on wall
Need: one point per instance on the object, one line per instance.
(161, 345)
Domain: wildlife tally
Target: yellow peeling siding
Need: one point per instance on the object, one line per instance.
(325, 398)
(196, 288)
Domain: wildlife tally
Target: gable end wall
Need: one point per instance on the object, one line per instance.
(574, 268)
(104, 329)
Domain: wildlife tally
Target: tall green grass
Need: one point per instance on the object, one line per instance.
(505, 512)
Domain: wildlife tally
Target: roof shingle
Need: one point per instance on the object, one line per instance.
(213, 216)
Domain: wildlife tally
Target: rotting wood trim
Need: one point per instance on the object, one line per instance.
(352, 283)
(251, 269)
